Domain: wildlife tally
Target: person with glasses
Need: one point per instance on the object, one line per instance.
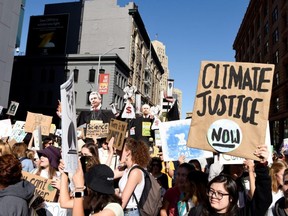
(222, 192)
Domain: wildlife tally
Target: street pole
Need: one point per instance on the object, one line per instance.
(99, 64)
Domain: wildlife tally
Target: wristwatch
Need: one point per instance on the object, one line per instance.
(78, 194)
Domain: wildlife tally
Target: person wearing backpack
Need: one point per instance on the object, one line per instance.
(135, 153)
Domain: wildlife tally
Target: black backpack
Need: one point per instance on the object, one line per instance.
(150, 201)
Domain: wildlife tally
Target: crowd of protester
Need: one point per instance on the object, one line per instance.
(104, 185)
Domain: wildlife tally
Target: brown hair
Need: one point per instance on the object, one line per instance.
(139, 151)
(5, 148)
(274, 169)
(93, 149)
(11, 169)
(19, 149)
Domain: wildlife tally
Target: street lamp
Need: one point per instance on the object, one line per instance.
(99, 61)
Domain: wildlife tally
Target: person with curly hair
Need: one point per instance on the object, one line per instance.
(15, 193)
(134, 153)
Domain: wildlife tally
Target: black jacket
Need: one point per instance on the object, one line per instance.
(261, 200)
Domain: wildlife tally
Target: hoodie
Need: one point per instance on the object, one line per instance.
(14, 199)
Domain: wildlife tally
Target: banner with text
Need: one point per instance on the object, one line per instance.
(43, 186)
(231, 107)
(69, 135)
(117, 129)
(103, 83)
(33, 120)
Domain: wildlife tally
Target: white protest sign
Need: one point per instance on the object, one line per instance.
(18, 133)
(128, 112)
(5, 128)
(69, 137)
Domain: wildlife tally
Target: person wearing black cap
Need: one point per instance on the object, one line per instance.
(101, 199)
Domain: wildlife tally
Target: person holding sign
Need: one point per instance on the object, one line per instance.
(223, 193)
(15, 193)
(49, 159)
(95, 113)
(140, 127)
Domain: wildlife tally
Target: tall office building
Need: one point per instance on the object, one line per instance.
(87, 38)
(160, 49)
(10, 11)
(177, 93)
(263, 38)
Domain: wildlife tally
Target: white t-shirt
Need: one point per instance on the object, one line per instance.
(275, 196)
(116, 208)
(138, 190)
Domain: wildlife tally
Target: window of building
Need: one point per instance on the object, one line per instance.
(66, 74)
(275, 132)
(275, 14)
(285, 41)
(92, 73)
(286, 69)
(43, 75)
(266, 28)
(276, 57)
(41, 97)
(49, 97)
(51, 76)
(117, 74)
(275, 36)
(265, 9)
(266, 47)
(277, 78)
(258, 42)
(87, 98)
(258, 23)
(76, 75)
(276, 104)
(75, 93)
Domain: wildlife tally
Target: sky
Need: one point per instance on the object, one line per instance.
(192, 31)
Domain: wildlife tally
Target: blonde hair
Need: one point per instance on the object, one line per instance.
(5, 148)
(275, 168)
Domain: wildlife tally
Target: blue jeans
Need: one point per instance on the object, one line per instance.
(134, 212)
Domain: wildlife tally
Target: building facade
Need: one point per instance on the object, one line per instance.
(99, 35)
(10, 14)
(160, 49)
(263, 38)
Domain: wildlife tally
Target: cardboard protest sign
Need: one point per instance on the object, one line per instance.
(12, 108)
(231, 107)
(117, 129)
(97, 130)
(5, 128)
(43, 186)
(18, 133)
(36, 119)
(174, 135)
(69, 135)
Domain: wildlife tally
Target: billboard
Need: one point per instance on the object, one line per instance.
(47, 35)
